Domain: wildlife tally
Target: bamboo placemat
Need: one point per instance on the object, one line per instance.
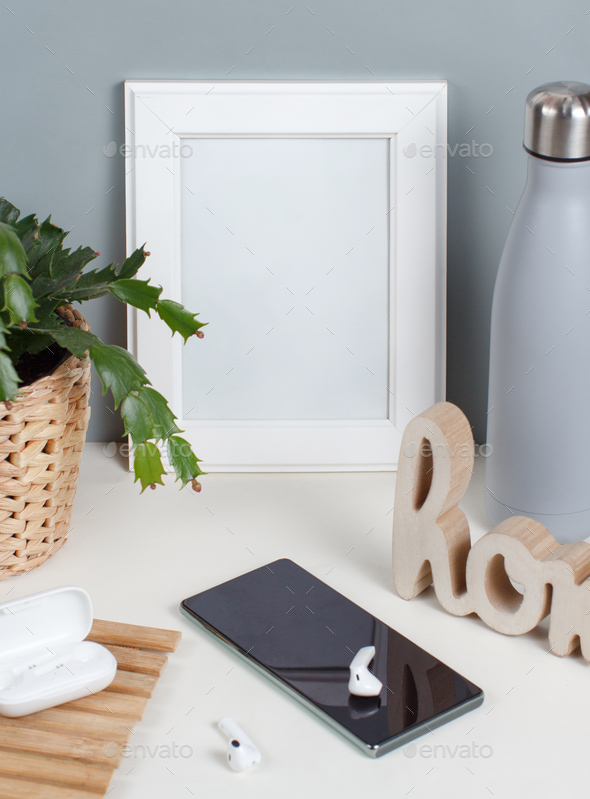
(72, 751)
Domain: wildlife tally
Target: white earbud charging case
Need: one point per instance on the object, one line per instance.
(44, 659)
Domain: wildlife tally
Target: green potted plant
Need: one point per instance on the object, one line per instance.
(45, 352)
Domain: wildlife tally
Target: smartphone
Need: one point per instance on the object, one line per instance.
(303, 635)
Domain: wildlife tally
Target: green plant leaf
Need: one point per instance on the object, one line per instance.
(147, 465)
(27, 340)
(27, 229)
(41, 254)
(13, 259)
(98, 277)
(147, 416)
(91, 284)
(118, 370)
(137, 293)
(9, 379)
(162, 417)
(8, 213)
(137, 418)
(83, 295)
(183, 460)
(70, 264)
(178, 319)
(3, 332)
(42, 287)
(18, 300)
(76, 341)
(131, 266)
(46, 309)
(58, 289)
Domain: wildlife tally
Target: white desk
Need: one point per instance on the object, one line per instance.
(138, 556)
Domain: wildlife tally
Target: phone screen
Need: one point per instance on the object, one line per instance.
(305, 634)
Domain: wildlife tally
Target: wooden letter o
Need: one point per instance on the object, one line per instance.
(513, 548)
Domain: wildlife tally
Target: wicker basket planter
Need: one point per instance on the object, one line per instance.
(41, 438)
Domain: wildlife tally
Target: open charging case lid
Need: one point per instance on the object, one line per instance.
(58, 616)
(44, 660)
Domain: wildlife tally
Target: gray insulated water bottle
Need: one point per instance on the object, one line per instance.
(539, 390)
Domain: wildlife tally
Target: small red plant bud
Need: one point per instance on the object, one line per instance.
(97, 253)
(196, 485)
(146, 253)
(22, 325)
(200, 334)
(8, 404)
(153, 486)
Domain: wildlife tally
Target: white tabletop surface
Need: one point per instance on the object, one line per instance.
(138, 556)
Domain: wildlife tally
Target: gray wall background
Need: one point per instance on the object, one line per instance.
(64, 63)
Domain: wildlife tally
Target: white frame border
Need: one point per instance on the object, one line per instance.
(409, 112)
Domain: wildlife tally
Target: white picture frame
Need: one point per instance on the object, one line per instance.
(411, 116)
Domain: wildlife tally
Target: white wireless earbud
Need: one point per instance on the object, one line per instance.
(362, 682)
(241, 752)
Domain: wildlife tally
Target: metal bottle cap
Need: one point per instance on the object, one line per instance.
(557, 121)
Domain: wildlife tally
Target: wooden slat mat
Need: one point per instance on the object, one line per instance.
(72, 751)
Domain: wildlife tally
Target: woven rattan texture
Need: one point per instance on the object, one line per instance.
(41, 438)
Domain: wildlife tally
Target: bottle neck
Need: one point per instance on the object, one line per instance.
(557, 177)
